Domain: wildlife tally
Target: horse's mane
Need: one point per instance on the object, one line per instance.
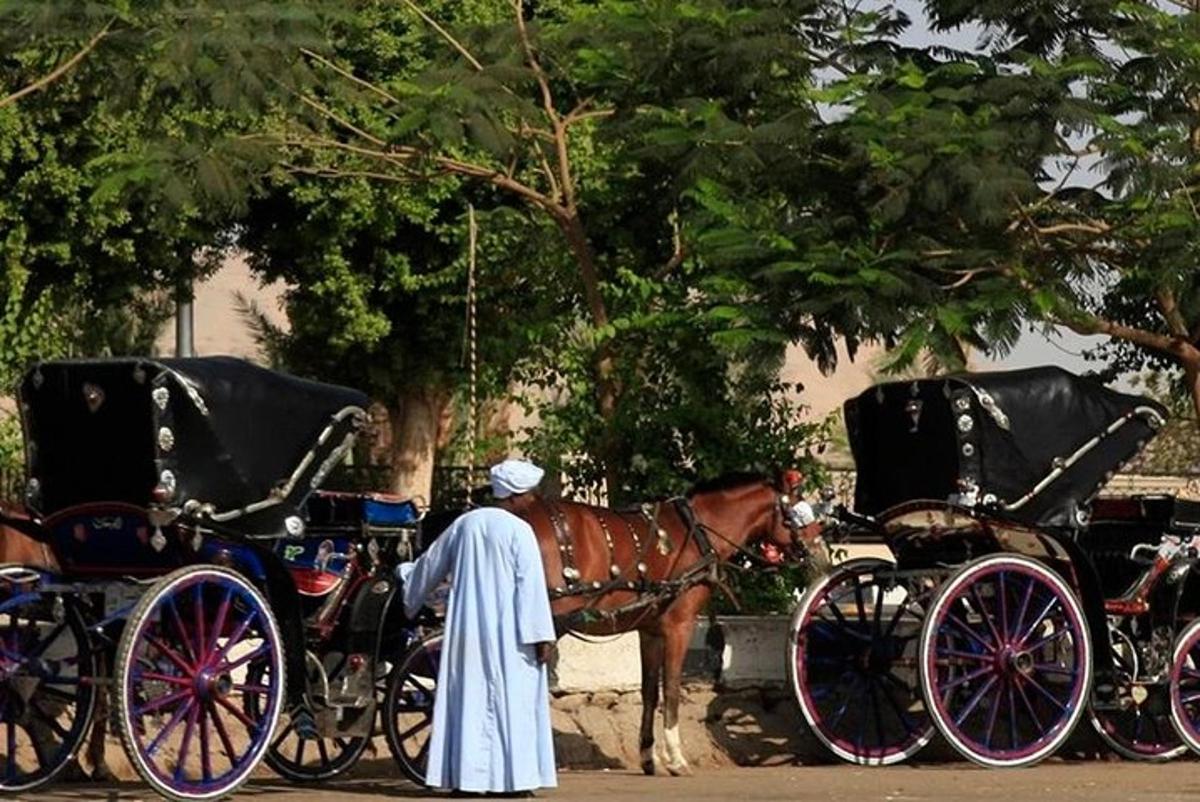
(727, 481)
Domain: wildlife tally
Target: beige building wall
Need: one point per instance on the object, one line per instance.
(220, 327)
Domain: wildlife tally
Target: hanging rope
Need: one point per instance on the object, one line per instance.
(472, 351)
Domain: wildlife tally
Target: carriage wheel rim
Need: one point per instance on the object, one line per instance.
(194, 647)
(31, 684)
(334, 755)
(1003, 660)
(865, 674)
(406, 695)
(1185, 686)
(1117, 736)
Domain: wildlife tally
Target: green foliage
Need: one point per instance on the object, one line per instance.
(1175, 450)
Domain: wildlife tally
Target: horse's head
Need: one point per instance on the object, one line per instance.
(762, 512)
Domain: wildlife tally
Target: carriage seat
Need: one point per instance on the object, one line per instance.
(375, 510)
(1168, 512)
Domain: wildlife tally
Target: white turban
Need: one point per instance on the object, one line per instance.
(514, 476)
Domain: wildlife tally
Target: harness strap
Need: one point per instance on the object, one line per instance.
(566, 549)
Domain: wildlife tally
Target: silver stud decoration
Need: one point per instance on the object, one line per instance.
(38, 379)
(166, 480)
(93, 396)
(596, 584)
(962, 403)
(33, 489)
(615, 570)
(158, 540)
(993, 409)
(293, 525)
(965, 423)
(166, 439)
(641, 568)
(571, 573)
(197, 541)
(968, 450)
(161, 396)
(879, 394)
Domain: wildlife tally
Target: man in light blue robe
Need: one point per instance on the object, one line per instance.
(491, 715)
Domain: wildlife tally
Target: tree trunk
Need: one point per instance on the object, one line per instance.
(1191, 373)
(608, 390)
(415, 421)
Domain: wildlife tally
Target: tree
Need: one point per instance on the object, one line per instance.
(641, 133)
(972, 168)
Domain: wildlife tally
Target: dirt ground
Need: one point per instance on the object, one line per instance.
(1091, 781)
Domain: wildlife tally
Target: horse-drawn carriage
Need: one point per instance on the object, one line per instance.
(1017, 601)
(230, 610)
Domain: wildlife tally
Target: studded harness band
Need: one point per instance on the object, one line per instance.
(649, 592)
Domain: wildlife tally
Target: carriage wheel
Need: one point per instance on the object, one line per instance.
(1140, 728)
(1006, 661)
(47, 695)
(853, 664)
(1185, 686)
(185, 665)
(408, 707)
(309, 760)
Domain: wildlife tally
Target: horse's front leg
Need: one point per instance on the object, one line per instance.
(677, 635)
(652, 659)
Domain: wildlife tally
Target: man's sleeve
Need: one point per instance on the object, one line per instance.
(534, 622)
(429, 570)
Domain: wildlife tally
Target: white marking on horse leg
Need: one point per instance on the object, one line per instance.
(676, 763)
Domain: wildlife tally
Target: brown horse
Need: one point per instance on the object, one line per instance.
(653, 569)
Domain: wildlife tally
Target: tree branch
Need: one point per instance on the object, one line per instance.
(566, 184)
(348, 75)
(1169, 306)
(457, 45)
(404, 156)
(59, 71)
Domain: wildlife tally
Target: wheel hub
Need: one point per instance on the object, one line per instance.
(212, 684)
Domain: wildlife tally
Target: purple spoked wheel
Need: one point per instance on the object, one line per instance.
(853, 664)
(1185, 686)
(408, 707)
(199, 651)
(310, 760)
(1138, 726)
(47, 694)
(1006, 661)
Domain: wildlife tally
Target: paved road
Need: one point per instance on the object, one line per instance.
(1092, 781)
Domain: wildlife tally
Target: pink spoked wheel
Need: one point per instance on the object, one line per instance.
(1185, 686)
(1137, 725)
(200, 683)
(1006, 661)
(852, 658)
(408, 706)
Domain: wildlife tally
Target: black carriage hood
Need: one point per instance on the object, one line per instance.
(1038, 443)
(217, 436)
